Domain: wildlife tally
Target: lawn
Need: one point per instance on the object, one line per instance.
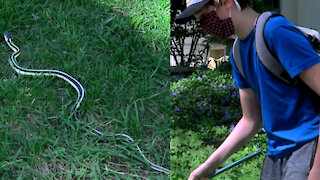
(119, 52)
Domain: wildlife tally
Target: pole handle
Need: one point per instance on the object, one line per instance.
(234, 164)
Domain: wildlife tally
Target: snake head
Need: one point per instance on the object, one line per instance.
(7, 36)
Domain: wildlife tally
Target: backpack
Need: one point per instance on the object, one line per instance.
(271, 63)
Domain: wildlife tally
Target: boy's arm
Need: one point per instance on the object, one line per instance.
(311, 77)
(246, 128)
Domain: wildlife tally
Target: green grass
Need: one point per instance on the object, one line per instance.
(119, 51)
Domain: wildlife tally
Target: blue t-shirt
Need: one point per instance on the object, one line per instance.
(288, 115)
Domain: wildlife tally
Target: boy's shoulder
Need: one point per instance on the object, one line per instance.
(275, 25)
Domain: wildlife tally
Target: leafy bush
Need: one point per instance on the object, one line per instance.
(189, 149)
(206, 97)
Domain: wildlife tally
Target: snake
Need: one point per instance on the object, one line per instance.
(80, 91)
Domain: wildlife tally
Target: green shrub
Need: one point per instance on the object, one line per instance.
(206, 97)
(189, 149)
(205, 108)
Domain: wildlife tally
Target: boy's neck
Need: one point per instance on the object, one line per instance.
(244, 22)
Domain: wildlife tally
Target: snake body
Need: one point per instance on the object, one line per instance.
(80, 91)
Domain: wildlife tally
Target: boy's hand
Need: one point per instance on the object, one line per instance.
(201, 172)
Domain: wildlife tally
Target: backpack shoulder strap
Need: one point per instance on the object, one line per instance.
(270, 62)
(267, 59)
(273, 65)
(236, 56)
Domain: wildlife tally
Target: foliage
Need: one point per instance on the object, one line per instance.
(206, 97)
(248, 170)
(179, 35)
(189, 149)
(200, 124)
(261, 6)
(186, 34)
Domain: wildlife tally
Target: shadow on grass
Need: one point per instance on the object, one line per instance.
(121, 64)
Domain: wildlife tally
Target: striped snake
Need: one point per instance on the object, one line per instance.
(80, 90)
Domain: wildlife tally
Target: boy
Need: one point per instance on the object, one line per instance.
(287, 115)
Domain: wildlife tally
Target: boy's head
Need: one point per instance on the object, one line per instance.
(194, 6)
